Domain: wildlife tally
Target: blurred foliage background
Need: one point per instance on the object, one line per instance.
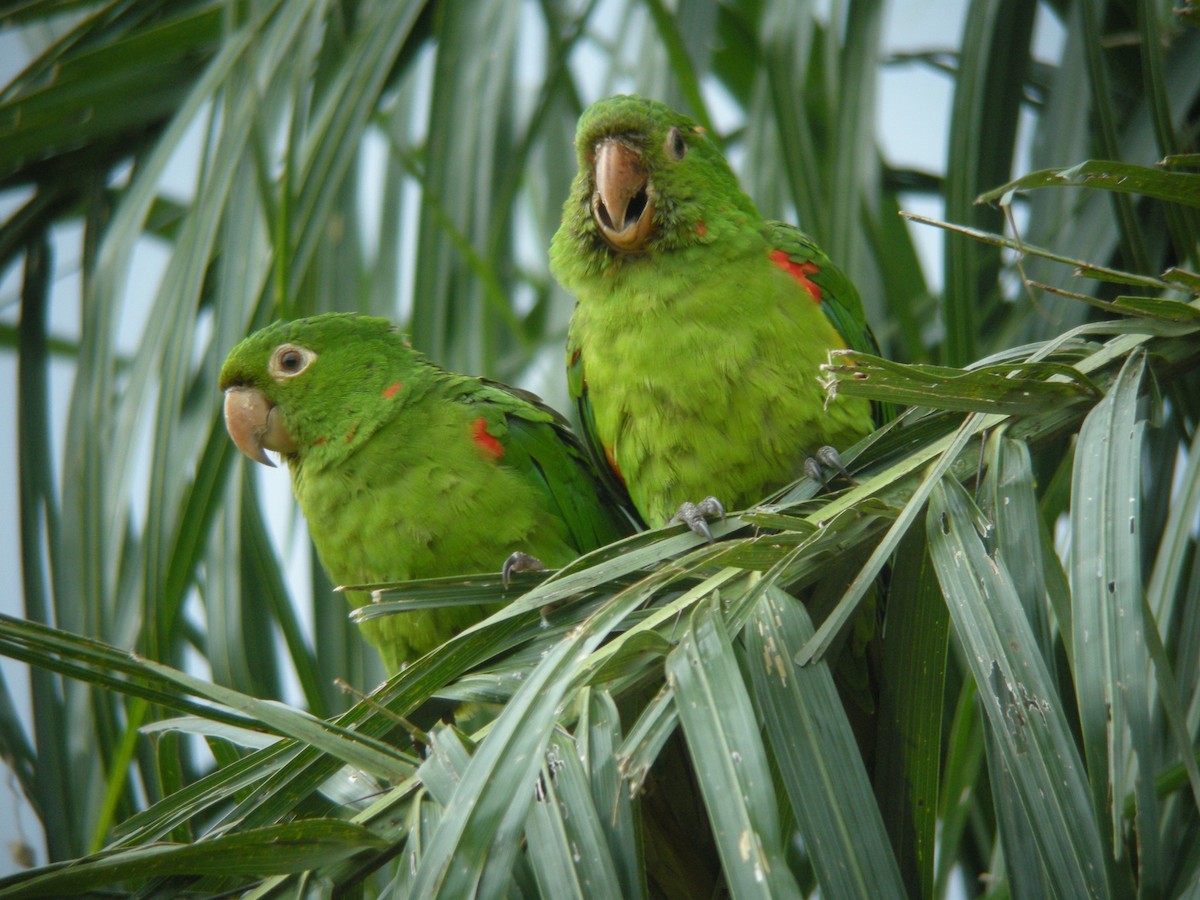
(1033, 515)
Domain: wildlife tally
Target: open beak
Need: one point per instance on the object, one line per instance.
(623, 204)
(255, 424)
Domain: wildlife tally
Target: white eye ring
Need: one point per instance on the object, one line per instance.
(675, 146)
(289, 360)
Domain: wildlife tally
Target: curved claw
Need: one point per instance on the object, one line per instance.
(695, 515)
(829, 458)
(812, 470)
(520, 562)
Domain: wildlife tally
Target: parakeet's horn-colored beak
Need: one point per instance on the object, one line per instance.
(623, 204)
(255, 424)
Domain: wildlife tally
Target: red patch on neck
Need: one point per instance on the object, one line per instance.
(799, 271)
(702, 228)
(391, 389)
(488, 445)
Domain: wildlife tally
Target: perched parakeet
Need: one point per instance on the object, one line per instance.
(700, 327)
(404, 470)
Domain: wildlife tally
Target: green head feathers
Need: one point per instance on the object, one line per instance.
(650, 181)
(315, 389)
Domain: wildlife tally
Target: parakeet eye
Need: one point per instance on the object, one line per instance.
(675, 146)
(290, 360)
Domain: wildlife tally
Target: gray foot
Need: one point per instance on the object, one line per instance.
(826, 458)
(520, 562)
(694, 515)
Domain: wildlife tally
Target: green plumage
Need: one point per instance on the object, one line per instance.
(700, 328)
(405, 471)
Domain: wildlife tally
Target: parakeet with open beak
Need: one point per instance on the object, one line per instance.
(700, 327)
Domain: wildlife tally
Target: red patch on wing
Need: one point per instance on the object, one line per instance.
(352, 432)
(612, 464)
(391, 389)
(488, 445)
(799, 271)
(319, 441)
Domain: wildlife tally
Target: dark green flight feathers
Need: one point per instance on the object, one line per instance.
(406, 471)
(700, 327)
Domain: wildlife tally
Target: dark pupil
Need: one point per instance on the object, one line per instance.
(291, 360)
(679, 145)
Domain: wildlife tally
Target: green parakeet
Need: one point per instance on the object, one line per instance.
(404, 470)
(700, 327)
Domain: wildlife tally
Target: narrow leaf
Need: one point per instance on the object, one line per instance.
(731, 763)
(1023, 712)
(814, 747)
